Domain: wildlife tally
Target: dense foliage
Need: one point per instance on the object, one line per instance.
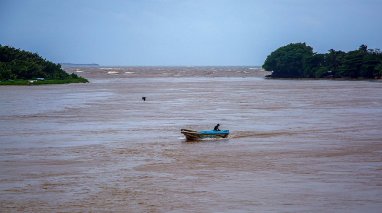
(299, 61)
(16, 64)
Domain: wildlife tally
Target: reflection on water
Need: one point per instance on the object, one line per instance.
(295, 145)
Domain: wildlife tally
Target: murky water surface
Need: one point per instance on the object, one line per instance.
(296, 145)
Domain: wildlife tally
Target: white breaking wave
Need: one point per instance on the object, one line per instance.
(112, 72)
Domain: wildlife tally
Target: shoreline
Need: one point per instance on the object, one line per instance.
(41, 82)
(334, 79)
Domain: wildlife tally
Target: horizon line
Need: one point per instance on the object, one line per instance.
(115, 65)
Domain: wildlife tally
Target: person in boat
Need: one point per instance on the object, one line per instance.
(216, 128)
(144, 98)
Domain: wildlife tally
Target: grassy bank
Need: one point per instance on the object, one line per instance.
(41, 82)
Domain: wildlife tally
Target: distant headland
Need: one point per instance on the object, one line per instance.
(19, 67)
(297, 60)
(79, 65)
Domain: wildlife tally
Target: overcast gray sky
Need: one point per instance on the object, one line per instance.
(185, 32)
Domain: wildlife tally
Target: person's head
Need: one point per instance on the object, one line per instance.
(218, 125)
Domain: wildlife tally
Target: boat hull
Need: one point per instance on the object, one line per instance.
(192, 135)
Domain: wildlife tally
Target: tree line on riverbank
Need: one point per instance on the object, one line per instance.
(23, 67)
(297, 60)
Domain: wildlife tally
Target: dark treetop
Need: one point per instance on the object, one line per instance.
(17, 65)
(297, 60)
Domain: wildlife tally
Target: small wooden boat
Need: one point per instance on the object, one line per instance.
(192, 135)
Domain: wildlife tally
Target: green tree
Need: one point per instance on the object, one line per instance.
(378, 71)
(312, 64)
(352, 64)
(289, 61)
(5, 72)
(333, 60)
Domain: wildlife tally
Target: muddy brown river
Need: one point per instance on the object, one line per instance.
(295, 145)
